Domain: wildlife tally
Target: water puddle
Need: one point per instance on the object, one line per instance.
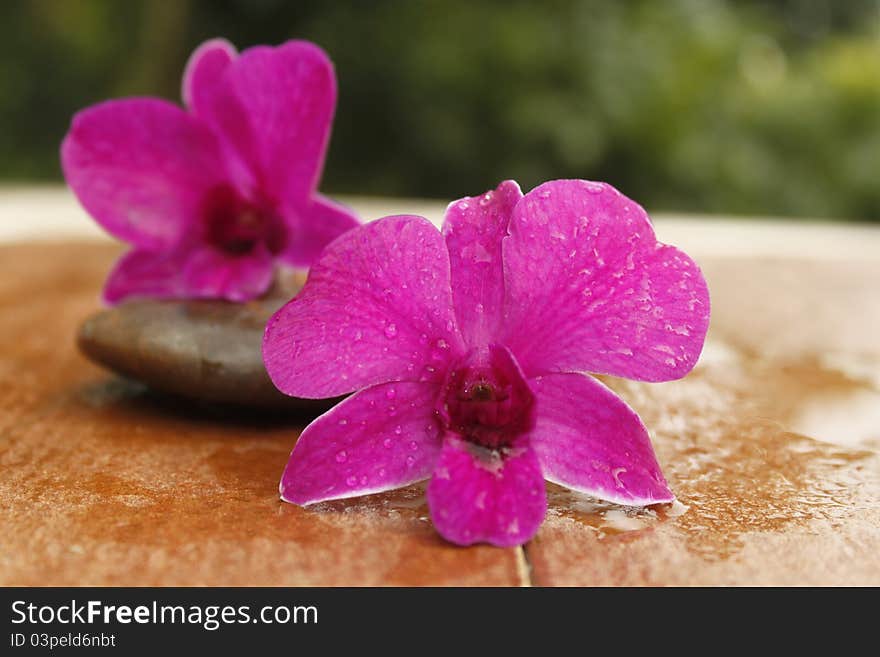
(605, 518)
(409, 501)
(849, 419)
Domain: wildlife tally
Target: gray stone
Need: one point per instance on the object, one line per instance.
(204, 350)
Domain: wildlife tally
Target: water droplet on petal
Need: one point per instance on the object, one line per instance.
(387, 443)
(398, 430)
(352, 481)
(391, 393)
(410, 461)
(413, 445)
(391, 331)
(341, 456)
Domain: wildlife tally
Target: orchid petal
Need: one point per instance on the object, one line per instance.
(155, 274)
(275, 106)
(141, 168)
(203, 273)
(474, 228)
(213, 274)
(381, 438)
(313, 226)
(203, 74)
(587, 439)
(376, 307)
(589, 288)
(479, 495)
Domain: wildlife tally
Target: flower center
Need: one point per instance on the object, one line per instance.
(486, 400)
(237, 226)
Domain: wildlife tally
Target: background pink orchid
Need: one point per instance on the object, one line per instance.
(211, 197)
(468, 349)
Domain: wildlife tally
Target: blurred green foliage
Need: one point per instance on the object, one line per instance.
(751, 107)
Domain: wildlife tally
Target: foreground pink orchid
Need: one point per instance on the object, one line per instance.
(210, 198)
(467, 352)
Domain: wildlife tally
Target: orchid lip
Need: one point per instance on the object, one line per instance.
(237, 226)
(486, 400)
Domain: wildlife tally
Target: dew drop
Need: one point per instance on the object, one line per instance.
(341, 456)
(391, 393)
(583, 223)
(594, 187)
(413, 445)
(387, 443)
(487, 199)
(351, 481)
(391, 331)
(410, 461)
(398, 430)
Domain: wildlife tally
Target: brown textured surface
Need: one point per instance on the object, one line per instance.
(102, 482)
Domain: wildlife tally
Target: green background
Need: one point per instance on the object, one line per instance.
(759, 108)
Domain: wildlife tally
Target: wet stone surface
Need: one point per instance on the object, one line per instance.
(209, 351)
(772, 446)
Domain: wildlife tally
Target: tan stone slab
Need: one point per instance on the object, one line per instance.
(102, 483)
(771, 445)
(793, 348)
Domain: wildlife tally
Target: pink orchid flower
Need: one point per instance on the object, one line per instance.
(468, 351)
(211, 197)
